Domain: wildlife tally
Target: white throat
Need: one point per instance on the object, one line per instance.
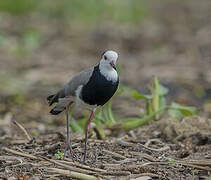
(109, 73)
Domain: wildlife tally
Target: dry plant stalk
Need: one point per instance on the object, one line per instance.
(19, 153)
(23, 129)
(72, 174)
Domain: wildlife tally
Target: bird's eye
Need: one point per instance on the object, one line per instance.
(105, 57)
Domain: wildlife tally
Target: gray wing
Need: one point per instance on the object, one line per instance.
(80, 79)
(63, 96)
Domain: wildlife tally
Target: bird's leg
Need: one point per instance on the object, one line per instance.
(86, 131)
(68, 141)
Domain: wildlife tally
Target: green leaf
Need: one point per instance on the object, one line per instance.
(175, 113)
(162, 102)
(99, 128)
(163, 90)
(31, 39)
(137, 95)
(75, 126)
(105, 114)
(155, 99)
(179, 111)
(99, 115)
(110, 113)
(59, 155)
(149, 107)
(124, 89)
(170, 160)
(132, 123)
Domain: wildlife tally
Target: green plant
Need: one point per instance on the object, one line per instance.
(155, 100)
(18, 7)
(73, 124)
(59, 155)
(155, 106)
(179, 111)
(79, 11)
(103, 115)
(168, 159)
(29, 41)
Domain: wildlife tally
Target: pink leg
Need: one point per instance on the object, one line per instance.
(86, 131)
(68, 141)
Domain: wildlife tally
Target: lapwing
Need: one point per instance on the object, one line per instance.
(90, 88)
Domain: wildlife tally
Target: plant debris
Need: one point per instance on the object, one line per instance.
(127, 157)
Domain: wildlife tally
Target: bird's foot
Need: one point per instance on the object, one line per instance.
(68, 150)
(83, 160)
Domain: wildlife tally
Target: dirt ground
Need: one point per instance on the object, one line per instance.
(147, 152)
(177, 50)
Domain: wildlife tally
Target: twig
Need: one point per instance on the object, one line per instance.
(82, 166)
(128, 160)
(199, 162)
(144, 156)
(9, 158)
(117, 173)
(146, 164)
(144, 174)
(194, 166)
(113, 166)
(142, 178)
(165, 148)
(23, 129)
(152, 140)
(72, 174)
(124, 143)
(70, 167)
(100, 171)
(19, 153)
(114, 154)
(50, 176)
(75, 145)
(133, 166)
(52, 147)
(11, 163)
(18, 141)
(26, 163)
(133, 135)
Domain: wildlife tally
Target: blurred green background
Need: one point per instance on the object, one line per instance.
(44, 43)
(91, 11)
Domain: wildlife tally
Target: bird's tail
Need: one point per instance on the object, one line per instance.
(55, 112)
(52, 99)
(49, 98)
(61, 101)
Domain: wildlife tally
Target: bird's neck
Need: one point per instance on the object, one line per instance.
(109, 73)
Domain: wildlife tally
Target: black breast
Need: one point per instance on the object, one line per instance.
(98, 90)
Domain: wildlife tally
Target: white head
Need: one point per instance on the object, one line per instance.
(108, 65)
(108, 59)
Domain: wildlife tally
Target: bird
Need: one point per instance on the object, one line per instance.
(90, 88)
